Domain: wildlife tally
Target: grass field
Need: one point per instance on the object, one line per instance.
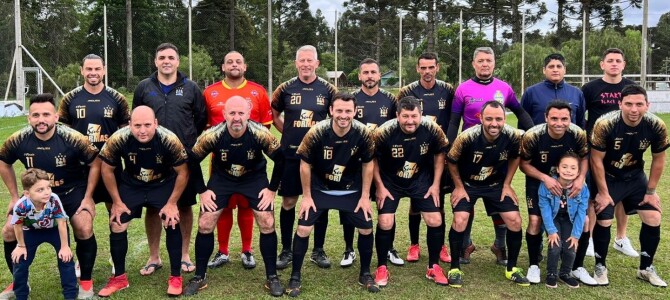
(483, 278)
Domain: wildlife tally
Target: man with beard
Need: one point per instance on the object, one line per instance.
(238, 168)
(409, 161)
(374, 107)
(436, 98)
(304, 101)
(69, 159)
(469, 100)
(216, 95)
(482, 162)
(336, 172)
(180, 107)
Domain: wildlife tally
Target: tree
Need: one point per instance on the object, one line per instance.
(204, 72)
(660, 42)
(509, 65)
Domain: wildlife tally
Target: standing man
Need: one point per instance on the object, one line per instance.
(469, 100)
(69, 159)
(304, 101)
(618, 143)
(482, 162)
(541, 149)
(238, 168)
(374, 107)
(154, 174)
(216, 95)
(436, 98)
(180, 107)
(409, 161)
(336, 172)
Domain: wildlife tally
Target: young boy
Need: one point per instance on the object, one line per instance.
(38, 217)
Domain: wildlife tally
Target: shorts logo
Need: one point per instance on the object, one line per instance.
(60, 160)
(644, 144)
(337, 173)
(529, 202)
(251, 154)
(441, 104)
(305, 121)
(503, 155)
(179, 91)
(423, 148)
(236, 170)
(383, 112)
(94, 132)
(408, 170)
(484, 173)
(498, 96)
(320, 100)
(146, 175)
(108, 112)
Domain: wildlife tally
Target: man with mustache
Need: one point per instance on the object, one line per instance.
(304, 101)
(70, 159)
(235, 84)
(409, 161)
(482, 162)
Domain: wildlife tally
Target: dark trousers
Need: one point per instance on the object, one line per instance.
(34, 238)
(567, 255)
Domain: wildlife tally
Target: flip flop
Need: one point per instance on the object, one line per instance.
(150, 268)
(188, 266)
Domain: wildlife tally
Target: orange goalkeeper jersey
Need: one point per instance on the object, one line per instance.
(217, 94)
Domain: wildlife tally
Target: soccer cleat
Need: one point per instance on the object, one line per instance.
(8, 293)
(368, 283)
(551, 281)
(600, 275)
(174, 286)
(465, 253)
(569, 280)
(77, 269)
(444, 254)
(394, 258)
(196, 284)
(284, 259)
(85, 289)
(320, 258)
(649, 275)
(413, 253)
(273, 286)
(517, 277)
(623, 245)
(583, 276)
(589, 250)
(248, 261)
(114, 285)
(219, 260)
(501, 255)
(293, 289)
(533, 274)
(455, 277)
(348, 258)
(382, 276)
(437, 275)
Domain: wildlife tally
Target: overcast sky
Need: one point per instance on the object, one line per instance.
(632, 16)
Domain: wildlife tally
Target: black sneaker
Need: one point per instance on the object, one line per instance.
(293, 289)
(273, 285)
(194, 285)
(284, 259)
(368, 283)
(551, 281)
(569, 280)
(320, 258)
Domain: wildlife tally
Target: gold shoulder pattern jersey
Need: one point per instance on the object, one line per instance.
(374, 110)
(435, 102)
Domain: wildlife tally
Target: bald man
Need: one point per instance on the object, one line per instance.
(238, 167)
(154, 175)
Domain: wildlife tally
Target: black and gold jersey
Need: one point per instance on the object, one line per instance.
(64, 156)
(406, 161)
(96, 116)
(544, 152)
(239, 159)
(336, 161)
(481, 163)
(144, 163)
(374, 110)
(435, 103)
(624, 146)
(303, 105)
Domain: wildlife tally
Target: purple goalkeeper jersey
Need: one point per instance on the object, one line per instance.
(470, 98)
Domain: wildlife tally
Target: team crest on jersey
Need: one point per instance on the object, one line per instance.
(146, 175)
(423, 148)
(61, 160)
(383, 112)
(251, 154)
(484, 173)
(354, 150)
(320, 100)
(108, 112)
(408, 170)
(644, 144)
(159, 159)
(337, 173)
(498, 96)
(214, 94)
(254, 93)
(236, 170)
(179, 91)
(503, 155)
(441, 104)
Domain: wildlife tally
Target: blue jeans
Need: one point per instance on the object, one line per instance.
(34, 238)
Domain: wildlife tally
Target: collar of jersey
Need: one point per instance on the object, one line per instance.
(223, 82)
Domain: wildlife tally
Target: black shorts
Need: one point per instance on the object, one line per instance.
(346, 204)
(446, 183)
(138, 197)
(290, 180)
(249, 190)
(533, 199)
(491, 197)
(417, 203)
(629, 192)
(187, 198)
(101, 195)
(71, 199)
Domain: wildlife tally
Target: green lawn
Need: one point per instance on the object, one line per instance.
(483, 278)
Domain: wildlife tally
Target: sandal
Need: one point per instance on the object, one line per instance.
(150, 268)
(187, 267)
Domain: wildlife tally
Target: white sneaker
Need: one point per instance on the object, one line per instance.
(623, 245)
(77, 270)
(649, 275)
(248, 261)
(583, 276)
(84, 294)
(8, 293)
(533, 274)
(589, 250)
(600, 275)
(394, 258)
(348, 259)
